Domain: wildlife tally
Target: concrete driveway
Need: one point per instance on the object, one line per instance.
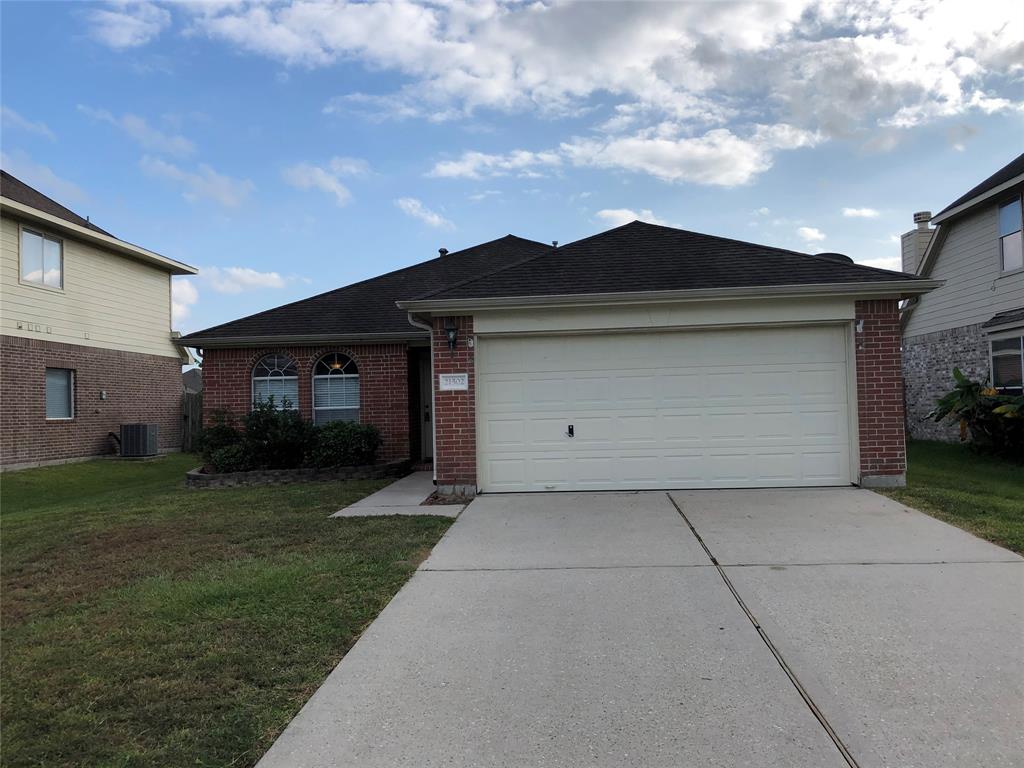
(715, 628)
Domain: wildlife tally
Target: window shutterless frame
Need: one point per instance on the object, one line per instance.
(1004, 350)
(276, 375)
(335, 389)
(45, 237)
(68, 395)
(1010, 223)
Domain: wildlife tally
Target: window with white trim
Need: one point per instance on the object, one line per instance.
(60, 393)
(1008, 365)
(42, 259)
(276, 376)
(1011, 246)
(335, 389)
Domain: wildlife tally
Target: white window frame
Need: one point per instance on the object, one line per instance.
(1002, 261)
(992, 355)
(358, 408)
(71, 394)
(22, 229)
(253, 379)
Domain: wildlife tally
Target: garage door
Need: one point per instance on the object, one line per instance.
(739, 408)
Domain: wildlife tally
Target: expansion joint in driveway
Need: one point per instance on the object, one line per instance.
(815, 710)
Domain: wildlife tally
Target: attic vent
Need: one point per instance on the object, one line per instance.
(840, 257)
(442, 251)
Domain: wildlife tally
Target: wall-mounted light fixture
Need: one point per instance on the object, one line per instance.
(451, 332)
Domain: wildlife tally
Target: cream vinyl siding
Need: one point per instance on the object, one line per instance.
(736, 408)
(108, 300)
(974, 289)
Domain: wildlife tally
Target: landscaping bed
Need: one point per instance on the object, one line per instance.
(144, 625)
(978, 492)
(197, 478)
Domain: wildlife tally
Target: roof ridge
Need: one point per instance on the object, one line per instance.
(88, 224)
(393, 272)
(519, 263)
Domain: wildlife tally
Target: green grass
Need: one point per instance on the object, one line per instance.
(145, 624)
(981, 494)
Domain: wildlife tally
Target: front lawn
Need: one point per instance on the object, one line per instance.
(979, 493)
(145, 624)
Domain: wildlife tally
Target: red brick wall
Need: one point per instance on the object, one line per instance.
(880, 389)
(140, 388)
(383, 385)
(455, 412)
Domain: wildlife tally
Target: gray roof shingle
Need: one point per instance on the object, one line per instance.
(15, 189)
(368, 307)
(1005, 318)
(640, 257)
(1011, 170)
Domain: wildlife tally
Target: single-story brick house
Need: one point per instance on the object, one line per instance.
(642, 357)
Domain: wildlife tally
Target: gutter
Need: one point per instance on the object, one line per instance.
(214, 342)
(419, 322)
(888, 288)
(22, 211)
(978, 199)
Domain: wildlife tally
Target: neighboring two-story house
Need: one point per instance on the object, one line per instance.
(975, 320)
(86, 341)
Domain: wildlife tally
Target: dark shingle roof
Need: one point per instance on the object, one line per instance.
(640, 257)
(368, 307)
(15, 189)
(1005, 318)
(1014, 168)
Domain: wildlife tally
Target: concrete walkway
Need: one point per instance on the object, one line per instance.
(402, 497)
(596, 630)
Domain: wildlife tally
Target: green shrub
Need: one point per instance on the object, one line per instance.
(345, 444)
(277, 438)
(231, 458)
(994, 422)
(221, 433)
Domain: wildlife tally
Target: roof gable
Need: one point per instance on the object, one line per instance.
(1004, 175)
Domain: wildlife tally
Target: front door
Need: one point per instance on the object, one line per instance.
(426, 410)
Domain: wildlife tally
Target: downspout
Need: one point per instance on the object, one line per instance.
(417, 321)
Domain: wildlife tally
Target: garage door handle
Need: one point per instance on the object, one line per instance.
(571, 432)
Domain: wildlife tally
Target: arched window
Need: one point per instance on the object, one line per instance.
(335, 389)
(276, 376)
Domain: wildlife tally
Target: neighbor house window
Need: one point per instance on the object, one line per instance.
(335, 389)
(1008, 365)
(60, 393)
(1011, 248)
(42, 259)
(275, 376)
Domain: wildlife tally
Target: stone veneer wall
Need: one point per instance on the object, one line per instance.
(928, 363)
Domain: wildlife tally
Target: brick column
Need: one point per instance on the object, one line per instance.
(883, 458)
(455, 412)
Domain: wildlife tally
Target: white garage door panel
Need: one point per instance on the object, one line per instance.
(737, 408)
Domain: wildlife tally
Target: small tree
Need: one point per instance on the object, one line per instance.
(993, 421)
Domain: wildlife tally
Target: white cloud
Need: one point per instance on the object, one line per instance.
(127, 24)
(476, 165)
(478, 196)
(811, 234)
(147, 136)
(12, 119)
(763, 211)
(860, 213)
(327, 179)
(204, 183)
(410, 206)
(183, 296)
(42, 178)
(894, 263)
(616, 217)
(239, 279)
(846, 70)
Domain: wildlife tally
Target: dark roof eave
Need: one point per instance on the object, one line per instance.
(213, 342)
(903, 288)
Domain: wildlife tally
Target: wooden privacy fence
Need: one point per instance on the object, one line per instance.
(191, 420)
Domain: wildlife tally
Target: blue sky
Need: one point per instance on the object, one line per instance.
(287, 149)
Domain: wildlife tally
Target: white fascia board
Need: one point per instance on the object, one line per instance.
(886, 289)
(978, 199)
(92, 237)
(215, 342)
